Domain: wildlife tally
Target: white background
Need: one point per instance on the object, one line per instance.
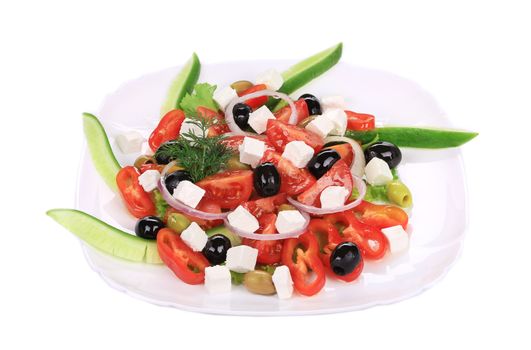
(59, 59)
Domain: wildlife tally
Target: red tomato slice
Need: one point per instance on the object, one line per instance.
(381, 216)
(359, 121)
(293, 180)
(268, 205)
(228, 189)
(168, 129)
(137, 201)
(338, 175)
(269, 252)
(284, 113)
(220, 127)
(280, 134)
(345, 151)
(256, 102)
(234, 142)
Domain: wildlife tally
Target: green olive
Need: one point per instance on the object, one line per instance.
(235, 164)
(399, 194)
(285, 207)
(306, 121)
(144, 160)
(177, 222)
(259, 282)
(241, 85)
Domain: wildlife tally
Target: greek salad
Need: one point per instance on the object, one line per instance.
(248, 184)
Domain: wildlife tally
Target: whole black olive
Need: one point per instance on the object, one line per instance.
(148, 227)
(241, 113)
(345, 258)
(322, 162)
(386, 151)
(216, 249)
(172, 180)
(266, 180)
(314, 107)
(161, 156)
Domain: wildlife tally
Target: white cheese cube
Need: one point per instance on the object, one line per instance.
(194, 237)
(334, 197)
(217, 279)
(298, 152)
(251, 151)
(321, 126)
(283, 282)
(149, 180)
(224, 96)
(333, 102)
(339, 118)
(130, 142)
(397, 237)
(188, 193)
(271, 78)
(377, 172)
(289, 220)
(258, 119)
(189, 126)
(241, 258)
(243, 220)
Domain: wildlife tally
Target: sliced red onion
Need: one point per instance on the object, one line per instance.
(269, 236)
(229, 118)
(360, 185)
(358, 165)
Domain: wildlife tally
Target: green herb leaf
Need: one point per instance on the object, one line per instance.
(202, 95)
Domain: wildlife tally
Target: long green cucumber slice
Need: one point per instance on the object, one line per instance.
(105, 237)
(414, 137)
(184, 82)
(100, 150)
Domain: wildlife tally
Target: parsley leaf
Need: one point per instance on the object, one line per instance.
(203, 95)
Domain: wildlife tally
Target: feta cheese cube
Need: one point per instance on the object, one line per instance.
(397, 237)
(217, 279)
(271, 78)
(333, 102)
(377, 172)
(224, 96)
(321, 126)
(252, 151)
(188, 193)
(241, 258)
(339, 118)
(149, 180)
(298, 152)
(130, 142)
(189, 127)
(243, 220)
(334, 197)
(289, 220)
(194, 237)
(258, 119)
(283, 282)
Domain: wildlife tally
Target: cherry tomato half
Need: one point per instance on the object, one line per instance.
(168, 129)
(137, 201)
(228, 189)
(293, 180)
(280, 134)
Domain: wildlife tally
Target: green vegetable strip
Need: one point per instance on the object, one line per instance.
(100, 150)
(414, 137)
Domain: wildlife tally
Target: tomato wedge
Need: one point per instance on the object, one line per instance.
(381, 216)
(167, 129)
(267, 205)
(359, 121)
(338, 175)
(345, 152)
(301, 256)
(219, 126)
(137, 201)
(234, 142)
(293, 180)
(256, 102)
(280, 134)
(228, 189)
(269, 252)
(284, 113)
(186, 264)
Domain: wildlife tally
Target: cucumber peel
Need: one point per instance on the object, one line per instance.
(183, 83)
(105, 237)
(100, 150)
(414, 137)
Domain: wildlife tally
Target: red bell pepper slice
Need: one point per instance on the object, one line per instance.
(137, 201)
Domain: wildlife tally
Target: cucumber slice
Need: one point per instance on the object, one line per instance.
(184, 82)
(105, 237)
(222, 230)
(100, 150)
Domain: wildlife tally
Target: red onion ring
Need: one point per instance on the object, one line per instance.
(358, 165)
(229, 118)
(360, 185)
(269, 236)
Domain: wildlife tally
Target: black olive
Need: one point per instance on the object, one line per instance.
(345, 258)
(314, 107)
(216, 249)
(148, 227)
(266, 180)
(241, 113)
(385, 151)
(172, 180)
(160, 156)
(322, 162)
(333, 143)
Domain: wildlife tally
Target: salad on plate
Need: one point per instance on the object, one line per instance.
(248, 184)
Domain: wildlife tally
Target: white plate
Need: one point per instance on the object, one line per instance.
(436, 179)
